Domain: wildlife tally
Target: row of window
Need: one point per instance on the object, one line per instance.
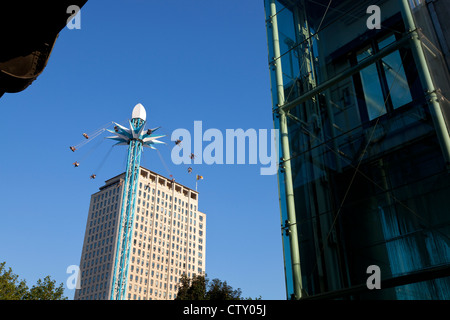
(106, 195)
(146, 196)
(386, 83)
(102, 211)
(94, 296)
(160, 193)
(155, 293)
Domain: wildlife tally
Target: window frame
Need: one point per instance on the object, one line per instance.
(411, 73)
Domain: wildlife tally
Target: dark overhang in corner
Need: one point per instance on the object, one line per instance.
(28, 31)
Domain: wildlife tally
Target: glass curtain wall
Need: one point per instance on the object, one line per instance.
(371, 185)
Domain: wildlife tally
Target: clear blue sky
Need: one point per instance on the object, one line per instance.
(185, 61)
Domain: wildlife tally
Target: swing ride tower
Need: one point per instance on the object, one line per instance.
(136, 137)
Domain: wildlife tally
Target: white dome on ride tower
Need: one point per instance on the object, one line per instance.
(139, 112)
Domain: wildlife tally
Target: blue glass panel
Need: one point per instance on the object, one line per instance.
(373, 93)
(396, 80)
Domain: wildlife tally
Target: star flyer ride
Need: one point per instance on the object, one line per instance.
(136, 137)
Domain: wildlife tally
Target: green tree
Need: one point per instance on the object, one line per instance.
(220, 290)
(201, 288)
(46, 290)
(13, 289)
(10, 287)
(192, 289)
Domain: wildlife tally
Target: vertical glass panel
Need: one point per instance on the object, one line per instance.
(396, 79)
(372, 88)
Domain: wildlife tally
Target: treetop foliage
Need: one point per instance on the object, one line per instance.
(201, 288)
(11, 288)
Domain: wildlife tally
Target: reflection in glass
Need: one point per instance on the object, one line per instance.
(386, 41)
(372, 88)
(396, 80)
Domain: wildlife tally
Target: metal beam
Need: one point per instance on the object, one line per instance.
(286, 156)
(427, 82)
(413, 277)
(346, 74)
(126, 220)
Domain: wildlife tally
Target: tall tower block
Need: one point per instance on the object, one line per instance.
(168, 239)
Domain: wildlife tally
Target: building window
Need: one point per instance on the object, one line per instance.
(387, 84)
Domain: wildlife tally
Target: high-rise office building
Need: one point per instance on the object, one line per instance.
(168, 239)
(361, 96)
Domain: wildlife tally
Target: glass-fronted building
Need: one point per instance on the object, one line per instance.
(361, 98)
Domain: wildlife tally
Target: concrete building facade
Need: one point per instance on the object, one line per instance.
(169, 239)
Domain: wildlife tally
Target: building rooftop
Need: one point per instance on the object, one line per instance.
(146, 174)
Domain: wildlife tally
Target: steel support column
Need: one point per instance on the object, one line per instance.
(290, 204)
(126, 219)
(427, 82)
